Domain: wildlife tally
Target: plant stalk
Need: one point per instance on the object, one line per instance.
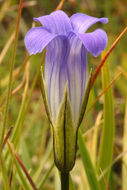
(64, 181)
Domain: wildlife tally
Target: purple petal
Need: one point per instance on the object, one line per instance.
(95, 42)
(37, 39)
(81, 22)
(56, 23)
(77, 72)
(55, 59)
(66, 62)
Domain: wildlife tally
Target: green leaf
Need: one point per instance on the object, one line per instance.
(94, 147)
(90, 171)
(43, 161)
(124, 166)
(4, 173)
(57, 183)
(107, 141)
(25, 155)
(12, 62)
(71, 185)
(22, 178)
(22, 114)
(45, 177)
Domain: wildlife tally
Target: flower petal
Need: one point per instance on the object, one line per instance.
(55, 59)
(81, 22)
(56, 23)
(37, 39)
(77, 72)
(66, 62)
(95, 42)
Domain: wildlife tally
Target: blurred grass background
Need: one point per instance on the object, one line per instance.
(32, 140)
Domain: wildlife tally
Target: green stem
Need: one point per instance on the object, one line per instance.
(4, 173)
(64, 181)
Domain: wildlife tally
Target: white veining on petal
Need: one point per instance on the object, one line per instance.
(57, 22)
(81, 22)
(77, 66)
(55, 58)
(65, 62)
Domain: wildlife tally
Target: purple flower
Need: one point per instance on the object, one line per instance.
(67, 44)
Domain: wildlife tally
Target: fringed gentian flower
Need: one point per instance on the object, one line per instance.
(64, 86)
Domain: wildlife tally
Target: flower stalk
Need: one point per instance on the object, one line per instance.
(64, 181)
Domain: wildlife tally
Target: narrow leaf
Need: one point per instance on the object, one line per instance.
(43, 162)
(45, 177)
(107, 141)
(90, 171)
(11, 74)
(124, 167)
(4, 173)
(71, 185)
(57, 183)
(19, 171)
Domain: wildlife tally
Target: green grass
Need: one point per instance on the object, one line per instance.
(107, 139)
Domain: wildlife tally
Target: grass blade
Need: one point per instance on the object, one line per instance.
(6, 47)
(45, 177)
(57, 183)
(124, 167)
(95, 138)
(71, 185)
(4, 173)
(11, 72)
(45, 158)
(106, 147)
(60, 5)
(90, 172)
(19, 171)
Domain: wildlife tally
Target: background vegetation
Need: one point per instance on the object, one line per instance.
(104, 129)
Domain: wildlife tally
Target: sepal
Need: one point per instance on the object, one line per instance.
(64, 137)
(85, 99)
(45, 98)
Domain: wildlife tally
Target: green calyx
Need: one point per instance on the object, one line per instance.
(85, 100)
(64, 130)
(65, 137)
(45, 99)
